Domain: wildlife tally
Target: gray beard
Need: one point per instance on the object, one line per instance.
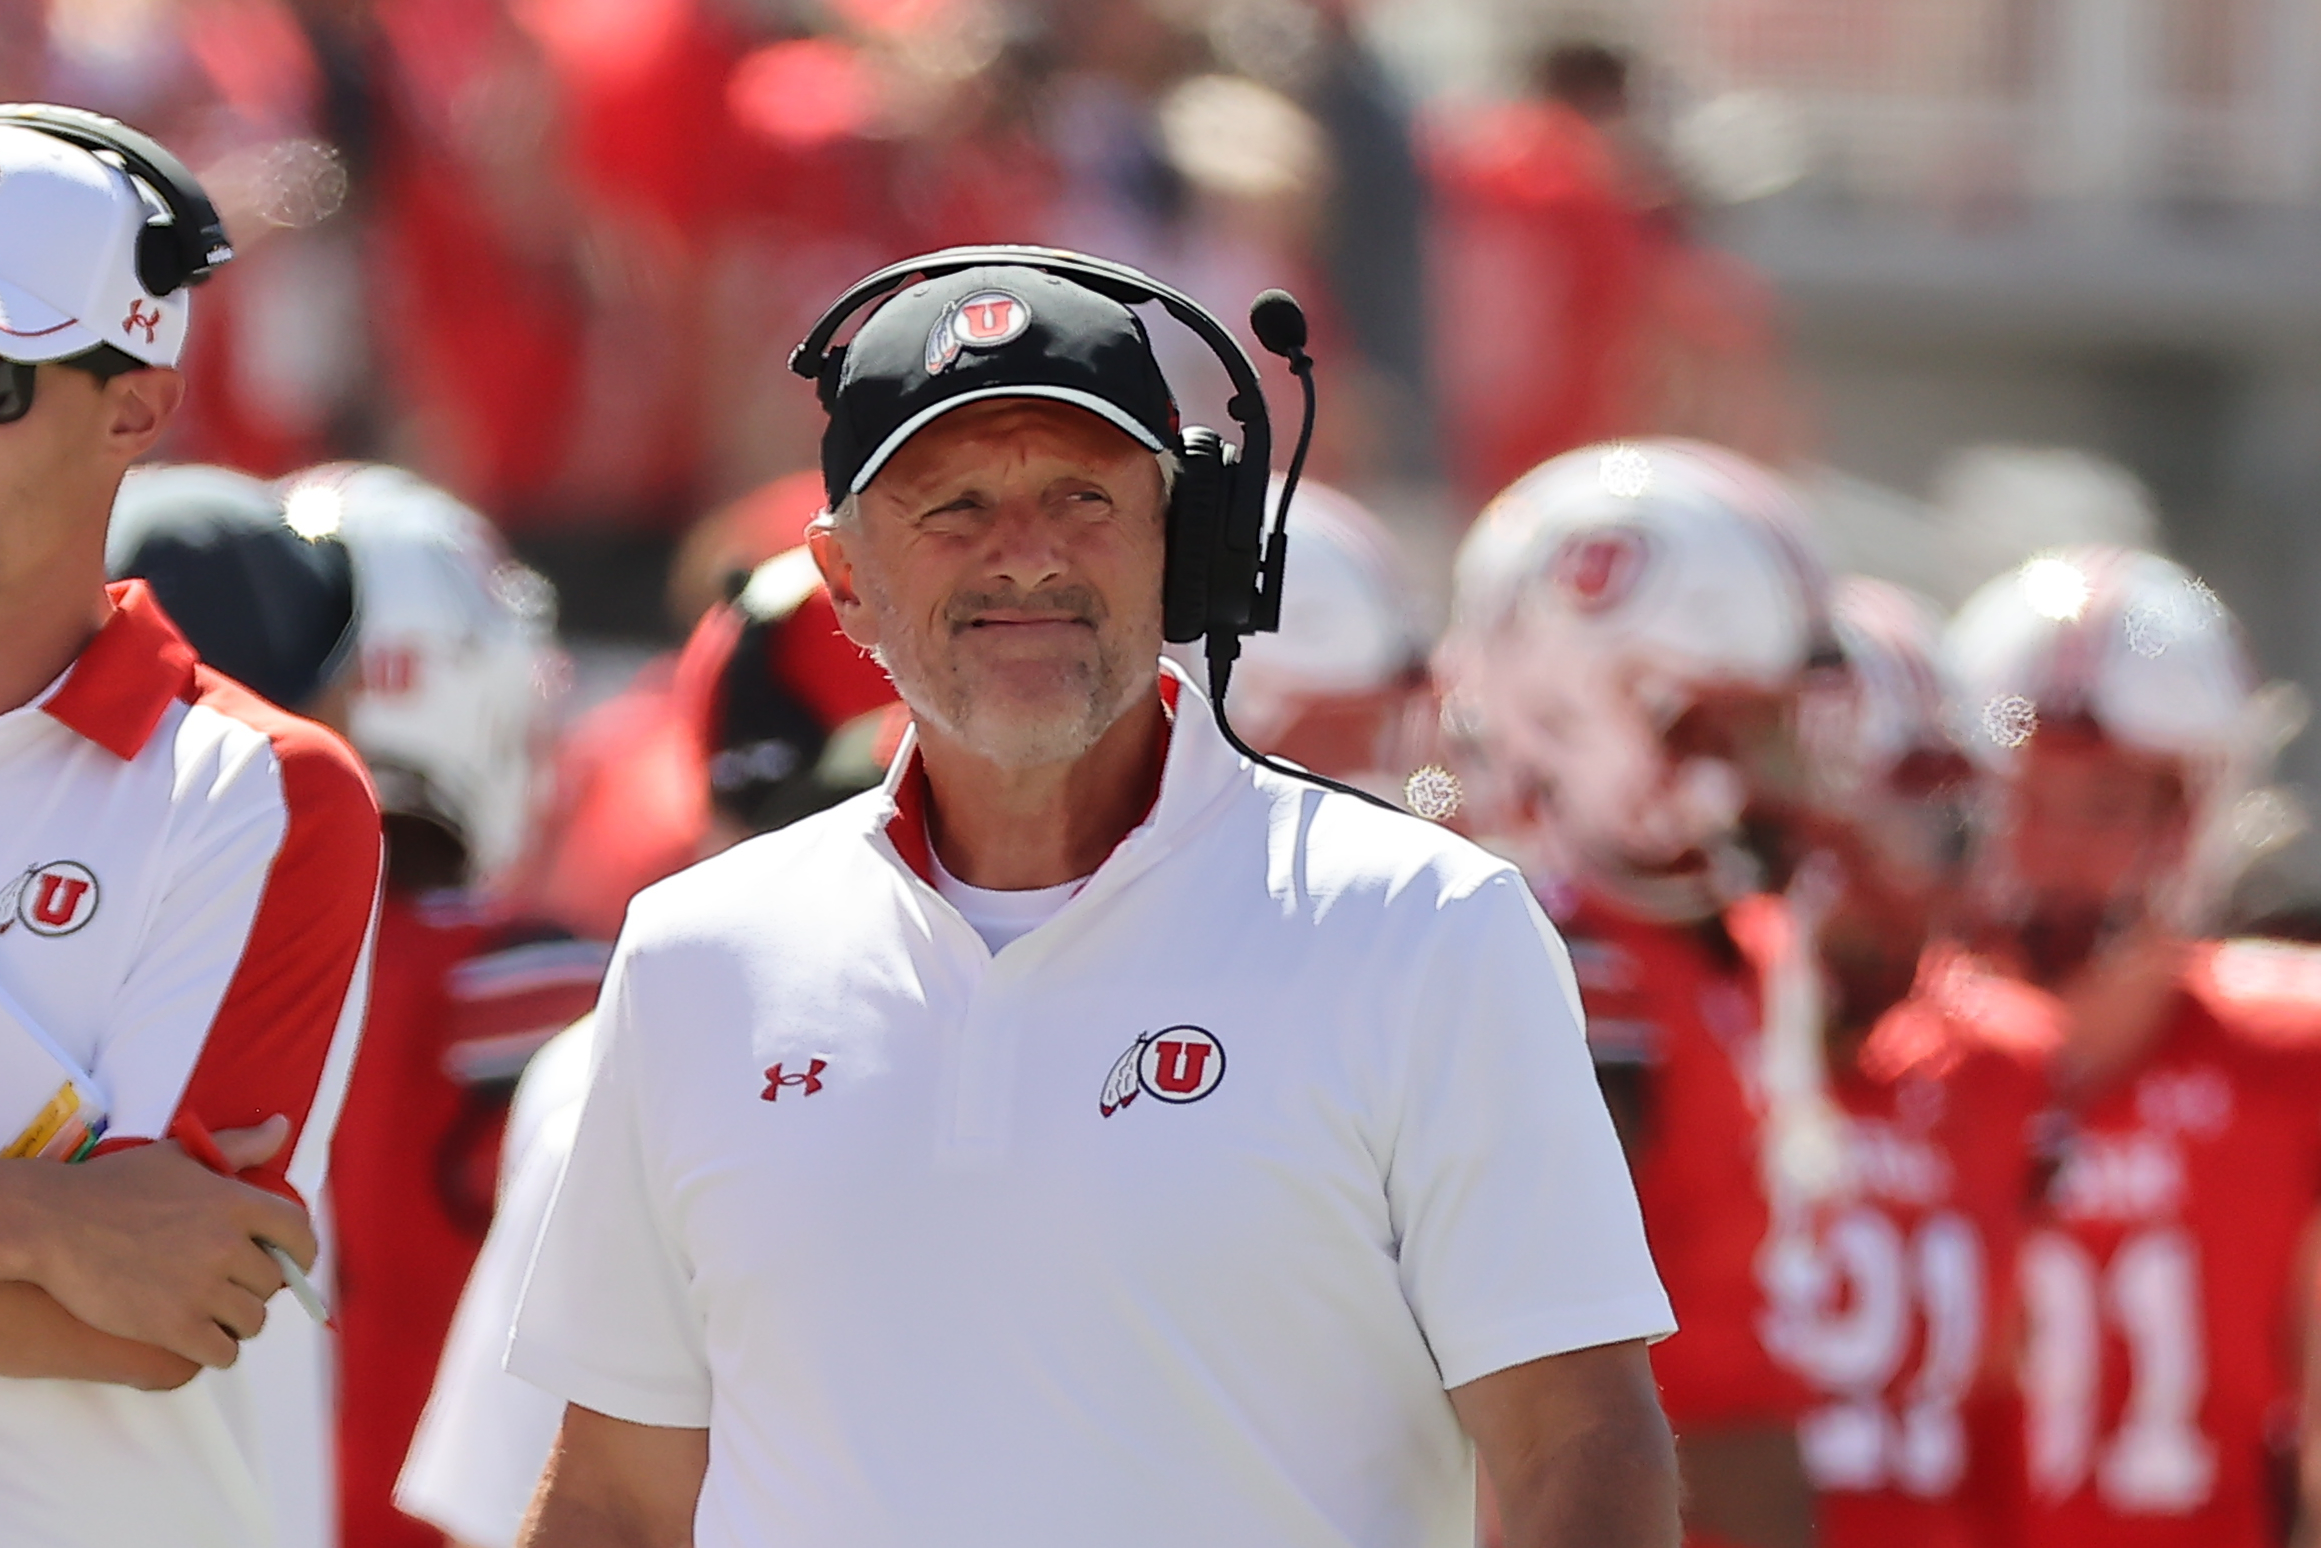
(1104, 691)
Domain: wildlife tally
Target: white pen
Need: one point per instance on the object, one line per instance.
(300, 1286)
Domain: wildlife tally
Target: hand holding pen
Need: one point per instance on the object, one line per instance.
(196, 1141)
(144, 1246)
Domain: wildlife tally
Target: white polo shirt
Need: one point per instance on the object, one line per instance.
(1170, 1223)
(188, 878)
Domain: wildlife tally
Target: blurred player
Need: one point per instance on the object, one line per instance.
(1632, 628)
(1342, 688)
(766, 756)
(1902, 1087)
(629, 806)
(275, 610)
(2110, 696)
(458, 660)
(270, 607)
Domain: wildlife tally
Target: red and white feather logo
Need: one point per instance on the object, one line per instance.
(1175, 1064)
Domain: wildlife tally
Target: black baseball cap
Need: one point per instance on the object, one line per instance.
(1000, 331)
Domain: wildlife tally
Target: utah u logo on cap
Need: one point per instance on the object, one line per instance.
(985, 320)
(53, 899)
(991, 319)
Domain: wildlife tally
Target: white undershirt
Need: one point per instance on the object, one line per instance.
(1000, 917)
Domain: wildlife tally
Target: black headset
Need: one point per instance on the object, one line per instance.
(182, 249)
(1222, 579)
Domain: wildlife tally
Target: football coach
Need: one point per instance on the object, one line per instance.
(1092, 1136)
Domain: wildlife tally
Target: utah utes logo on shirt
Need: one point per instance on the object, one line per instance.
(53, 899)
(1176, 1064)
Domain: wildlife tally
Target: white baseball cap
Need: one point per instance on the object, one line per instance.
(69, 225)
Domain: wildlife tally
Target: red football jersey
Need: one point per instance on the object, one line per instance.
(458, 1001)
(2157, 1280)
(1679, 1004)
(1894, 1297)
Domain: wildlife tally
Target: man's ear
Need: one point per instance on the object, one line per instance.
(139, 406)
(828, 543)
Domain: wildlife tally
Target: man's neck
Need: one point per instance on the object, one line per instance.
(1011, 830)
(52, 610)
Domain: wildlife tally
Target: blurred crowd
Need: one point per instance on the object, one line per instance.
(552, 254)
(1982, 1173)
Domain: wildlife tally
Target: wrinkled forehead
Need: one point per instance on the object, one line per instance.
(1000, 439)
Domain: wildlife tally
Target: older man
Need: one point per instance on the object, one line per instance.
(1089, 1136)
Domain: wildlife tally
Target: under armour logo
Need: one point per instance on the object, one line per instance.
(140, 318)
(810, 1078)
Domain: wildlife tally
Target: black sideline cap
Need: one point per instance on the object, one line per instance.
(993, 332)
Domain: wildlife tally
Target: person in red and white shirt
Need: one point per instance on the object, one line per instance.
(188, 877)
(450, 712)
(2119, 719)
(1633, 627)
(1903, 1086)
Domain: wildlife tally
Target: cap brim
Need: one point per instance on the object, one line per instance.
(1111, 413)
(32, 331)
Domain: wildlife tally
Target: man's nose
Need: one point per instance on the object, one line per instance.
(1027, 545)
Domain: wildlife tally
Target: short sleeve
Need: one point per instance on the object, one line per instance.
(247, 995)
(486, 1435)
(1519, 1231)
(607, 1318)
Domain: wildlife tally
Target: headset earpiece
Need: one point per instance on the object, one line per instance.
(157, 267)
(1197, 517)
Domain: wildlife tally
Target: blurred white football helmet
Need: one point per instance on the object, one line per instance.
(1895, 702)
(460, 667)
(1596, 601)
(1350, 646)
(2140, 650)
(1349, 619)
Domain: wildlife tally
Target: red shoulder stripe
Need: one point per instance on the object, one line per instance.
(266, 1049)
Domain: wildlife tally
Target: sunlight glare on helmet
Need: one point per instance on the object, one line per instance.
(2056, 589)
(1626, 473)
(2009, 720)
(314, 511)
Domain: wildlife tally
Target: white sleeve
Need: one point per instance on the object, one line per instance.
(485, 1436)
(607, 1318)
(1518, 1225)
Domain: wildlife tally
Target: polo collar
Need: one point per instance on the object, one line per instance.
(127, 677)
(1194, 769)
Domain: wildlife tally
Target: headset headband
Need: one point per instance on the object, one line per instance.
(815, 359)
(192, 243)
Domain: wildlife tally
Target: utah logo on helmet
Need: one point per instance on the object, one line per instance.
(1598, 570)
